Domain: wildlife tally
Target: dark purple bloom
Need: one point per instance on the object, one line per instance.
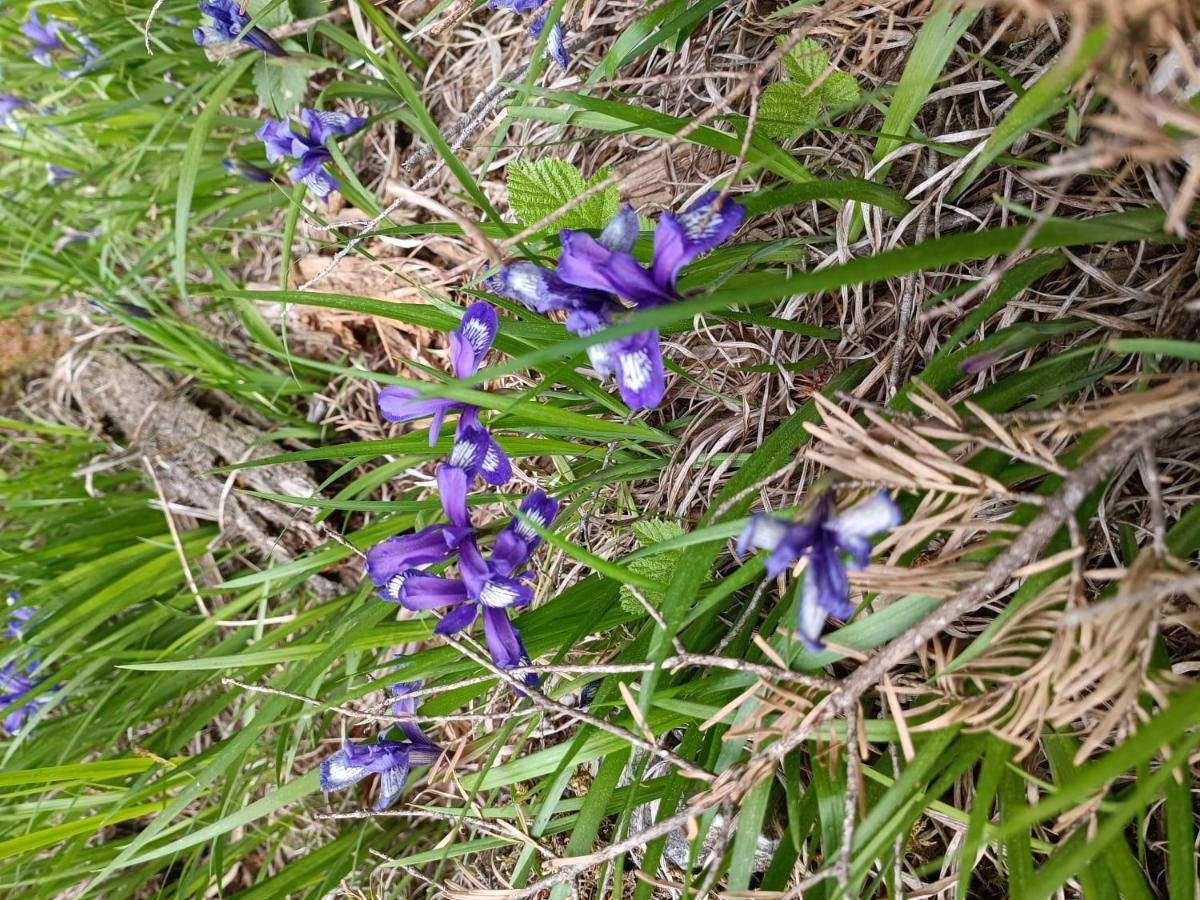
(59, 174)
(18, 617)
(282, 142)
(323, 124)
(247, 170)
(469, 344)
(45, 37)
(556, 47)
(515, 6)
(229, 23)
(15, 684)
(390, 760)
(598, 279)
(8, 104)
(475, 452)
(492, 585)
(821, 541)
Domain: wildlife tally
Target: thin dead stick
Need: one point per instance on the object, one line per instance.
(850, 810)
(737, 626)
(543, 702)
(483, 825)
(699, 660)
(357, 713)
(1116, 604)
(187, 571)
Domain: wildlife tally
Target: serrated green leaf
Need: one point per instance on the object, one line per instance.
(280, 88)
(805, 62)
(539, 189)
(787, 109)
(658, 567)
(839, 89)
(656, 531)
(269, 13)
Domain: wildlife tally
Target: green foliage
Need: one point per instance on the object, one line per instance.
(659, 567)
(789, 108)
(540, 188)
(281, 85)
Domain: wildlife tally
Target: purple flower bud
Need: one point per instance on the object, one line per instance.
(980, 362)
(247, 170)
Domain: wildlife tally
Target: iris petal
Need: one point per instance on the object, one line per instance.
(457, 619)
(680, 239)
(432, 592)
(587, 263)
(639, 367)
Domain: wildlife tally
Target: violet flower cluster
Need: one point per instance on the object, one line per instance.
(17, 676)
(390, 760)
(283, 141)
(556, 47)
(598, 282)
(821, 541)
(487, 586)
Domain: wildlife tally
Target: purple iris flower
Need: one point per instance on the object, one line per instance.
(598, 279)
(282, 142)
(475, 452)
(555, 43)
(45, 37)
(405, 705)
(247, 170)
(59, 174)
(821, 541)
(229, 24)
(556, 47)
(15, 684)
(492, 585)
(18, 617)
(8, 104)
(390, 760)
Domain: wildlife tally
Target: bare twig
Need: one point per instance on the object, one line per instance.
(166, 507)
(350, 711)
(540, 700)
